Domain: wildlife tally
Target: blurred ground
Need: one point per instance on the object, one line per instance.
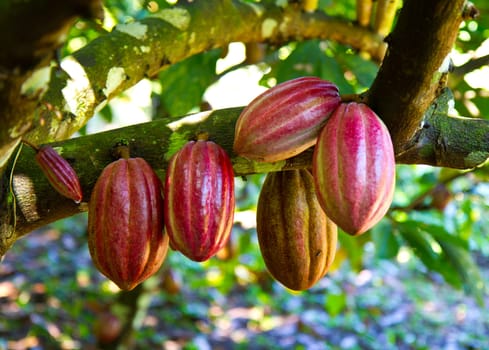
(50, 295)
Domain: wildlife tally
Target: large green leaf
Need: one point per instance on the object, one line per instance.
(444, 253)
(184, 83)
(420, 243)
(467, 269)
(308, 58)
(364, 70)
(439, 233)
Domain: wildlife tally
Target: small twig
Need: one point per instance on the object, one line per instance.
(471, 65)
(418, 201)
(364, 11)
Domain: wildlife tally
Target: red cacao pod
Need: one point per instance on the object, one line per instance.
(125, 223)
(199, 199)
(285, 120)
(59, 173)
(297, 240)
(354, 168)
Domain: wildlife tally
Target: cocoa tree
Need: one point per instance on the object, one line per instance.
(47, 92)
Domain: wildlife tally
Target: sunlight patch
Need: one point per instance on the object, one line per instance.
(115, 78)
(177, 17)
(267, 27)
(134, 29)
(78, 92)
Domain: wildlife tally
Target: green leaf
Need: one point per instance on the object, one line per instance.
(386, 243)
(353, 247)
(420, 243)
(184, 83)
(335, 303)
(309, 59)
(364, 70)
(467, 269)
(446, 254)
(439, 233)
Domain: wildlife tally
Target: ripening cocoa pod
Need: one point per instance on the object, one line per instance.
(59, 173)
(354, 168)
(285, 120)
(199, 199)
(297, 240)
(125, 223)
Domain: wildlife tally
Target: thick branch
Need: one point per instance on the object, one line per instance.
(452, 142)
(408, 79)
(38, 204)
(30, 33)
(120, 59)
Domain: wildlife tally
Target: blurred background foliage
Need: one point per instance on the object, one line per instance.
(415, 281)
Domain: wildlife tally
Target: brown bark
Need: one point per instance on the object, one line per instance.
(408, 80)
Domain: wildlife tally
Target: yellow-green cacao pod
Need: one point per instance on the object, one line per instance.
(297, 240)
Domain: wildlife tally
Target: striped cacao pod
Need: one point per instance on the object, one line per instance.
(199, 199)
(125, 223)
(285, 120)
(354, 168)
(297, 240)
(59, 173)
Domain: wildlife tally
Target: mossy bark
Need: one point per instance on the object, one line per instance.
(118, 60)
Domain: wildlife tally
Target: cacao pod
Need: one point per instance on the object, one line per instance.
(297, 240)
(354, 168)
(107, 328)
(285, 120)
(59, 173)
(441, 197)
(125, 223)
(199, 199)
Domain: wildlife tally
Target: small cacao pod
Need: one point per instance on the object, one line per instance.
(59, 173)
(199, 199)
(441, 197)
(354, 168)
(285, 120)
(296, 238)
(107, 327)
(125, 222)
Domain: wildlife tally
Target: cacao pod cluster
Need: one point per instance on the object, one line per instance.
(133, 217)
(352, 181)
(130, 208)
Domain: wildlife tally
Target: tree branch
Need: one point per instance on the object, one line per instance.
(471, 65)
(38, 204)
(408, 79)
(118, 60)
